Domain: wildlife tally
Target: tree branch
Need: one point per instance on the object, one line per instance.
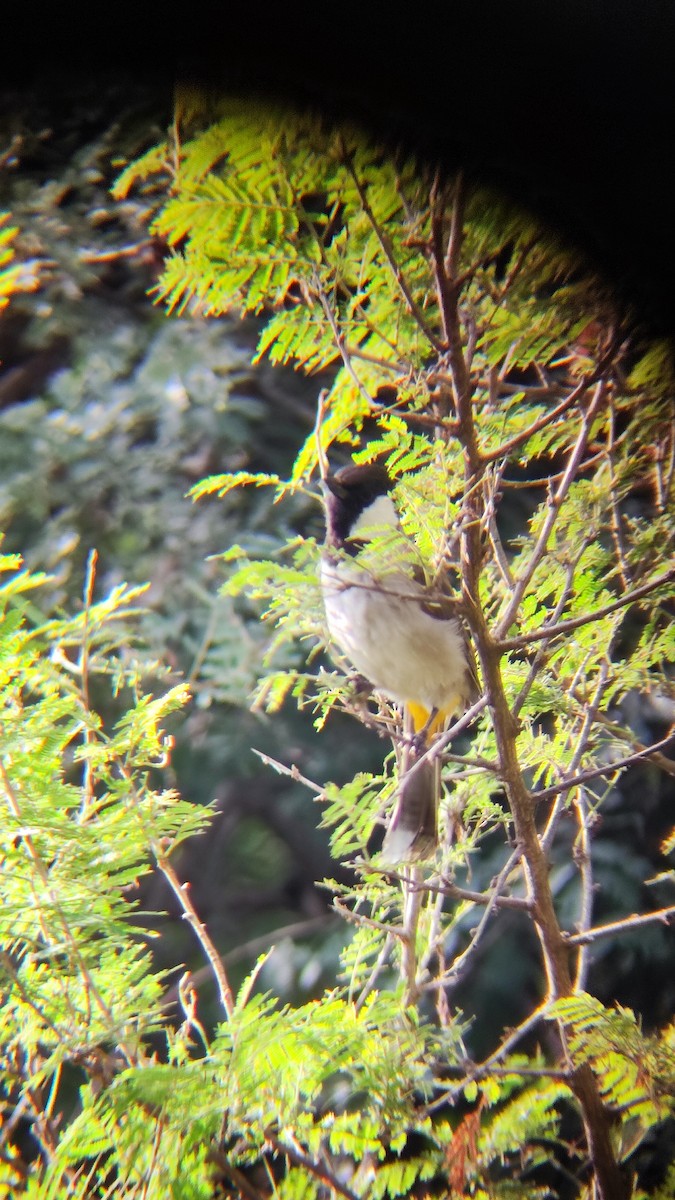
(563, 627)
(445, 267)
(612, 768)
(554, 506)
(583, 860)
(300, 1159)
(338, 338)
(664, 916)
(477, 1071)
(390, 256)
(609, 1180)
(182, 894)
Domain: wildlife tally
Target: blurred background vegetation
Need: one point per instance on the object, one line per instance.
(109, 411)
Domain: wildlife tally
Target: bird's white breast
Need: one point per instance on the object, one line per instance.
(380, 624)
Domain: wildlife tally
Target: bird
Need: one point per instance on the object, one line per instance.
(405, 636)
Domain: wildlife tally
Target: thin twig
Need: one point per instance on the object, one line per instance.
(542, 653)
(561, 627)
(292, 772)
(616, 518)
(412, 907)
(390, 256)
(445, 263)
(477, 1071)
(664, 467)
(455, 972)
(587, 724)
(609, 768)
(554, 505)
(437, 747)
(582, 857)
(490, 518)
(55, 902)
(542, 422)
(321, 456)
(435, 946)
(252, 948)
(627, 735)
(106, 256)
(378, 965)
(356, 918)
(182, 894)
(83, 667)
(338, 338)
(149, 1176)
(664, 916)
(447, 888)
(300, 1159)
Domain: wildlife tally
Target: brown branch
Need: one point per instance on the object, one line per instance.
(612, 768)
(584, 862)
(609, 1180)
(390, 256)
(447, 888)
(338, 338)
(445, 268)
(456, 238)
(300, 1159)
(182, 893)
(216, 1156)
(561, 627)
(625, 925)
(475, 1071)
(554, 505)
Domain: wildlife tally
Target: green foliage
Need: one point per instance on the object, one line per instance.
(82, 824)
(485, 365)
(636, 1072)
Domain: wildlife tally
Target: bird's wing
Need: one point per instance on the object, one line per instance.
(440, 603)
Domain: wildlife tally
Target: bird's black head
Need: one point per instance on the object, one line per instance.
(348, 493)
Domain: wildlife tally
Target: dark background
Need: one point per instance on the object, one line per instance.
(567, 104)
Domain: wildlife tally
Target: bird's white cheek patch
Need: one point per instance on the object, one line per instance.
(379, 515)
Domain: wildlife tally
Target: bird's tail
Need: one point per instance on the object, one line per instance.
(413, 830)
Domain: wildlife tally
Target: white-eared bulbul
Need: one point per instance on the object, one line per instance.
(403, 635)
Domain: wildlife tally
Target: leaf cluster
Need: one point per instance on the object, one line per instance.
(519, 422)
(472, 350)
